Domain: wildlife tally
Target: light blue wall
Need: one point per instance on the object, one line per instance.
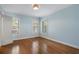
(64, 25)
(25, 28)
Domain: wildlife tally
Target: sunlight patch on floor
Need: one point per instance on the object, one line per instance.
(15, 50)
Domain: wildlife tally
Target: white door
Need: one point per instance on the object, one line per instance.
(6, 30)
(0, 29)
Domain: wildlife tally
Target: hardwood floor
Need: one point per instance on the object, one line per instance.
(37, 45)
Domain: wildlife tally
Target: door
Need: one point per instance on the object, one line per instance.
(6, 30)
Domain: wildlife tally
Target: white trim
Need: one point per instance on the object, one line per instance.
(17, 39)
(26, 37)
(7, 43)
(74, 46)
(2, 24)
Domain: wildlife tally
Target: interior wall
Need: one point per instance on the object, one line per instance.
(25, 28)
(64, 26)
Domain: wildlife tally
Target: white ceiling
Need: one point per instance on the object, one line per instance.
(26, 9)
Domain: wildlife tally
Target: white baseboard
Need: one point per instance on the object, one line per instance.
(16, 39)
(46, 38)
(60, 42)
(27, 37)
(7, 43)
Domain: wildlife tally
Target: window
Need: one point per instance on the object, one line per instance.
(35, 26)
(15, 25)
(44, 26)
